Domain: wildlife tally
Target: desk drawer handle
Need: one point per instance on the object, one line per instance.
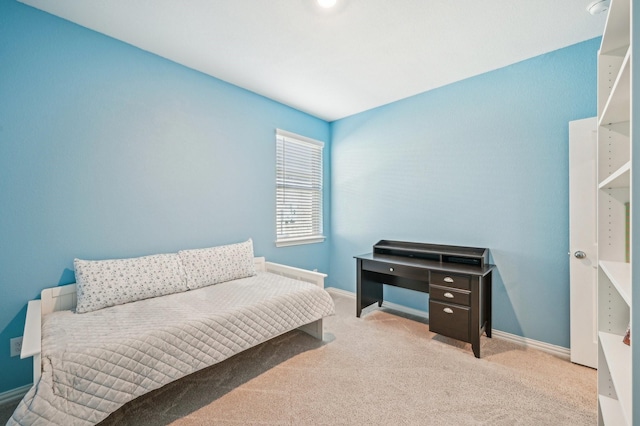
(391, 269)
(448, 295)
(448, 279)
(448, 310)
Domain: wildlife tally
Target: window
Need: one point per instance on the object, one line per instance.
(299, 189)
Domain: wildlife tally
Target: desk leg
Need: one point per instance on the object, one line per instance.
(478, 314)
(368, 292)
(359, 288)
(481, 301)
(475, 345)
(487, 303)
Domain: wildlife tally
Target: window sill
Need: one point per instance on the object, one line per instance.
(300, 241)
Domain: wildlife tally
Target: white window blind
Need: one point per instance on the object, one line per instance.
(299, 189)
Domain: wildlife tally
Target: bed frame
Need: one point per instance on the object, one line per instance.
(64, 298)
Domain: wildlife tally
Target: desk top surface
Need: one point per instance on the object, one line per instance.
(433, 265)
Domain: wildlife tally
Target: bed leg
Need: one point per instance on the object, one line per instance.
(315, 329)
(37, 368)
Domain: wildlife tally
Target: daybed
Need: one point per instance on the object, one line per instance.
(96, 345)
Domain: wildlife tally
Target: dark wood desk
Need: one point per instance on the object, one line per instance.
(457, 278)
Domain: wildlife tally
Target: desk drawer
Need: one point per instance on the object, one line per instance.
(449, 320)
(449, 295)
(451, 280)
(396, 270)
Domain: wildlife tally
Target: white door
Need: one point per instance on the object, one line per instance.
(583, 251)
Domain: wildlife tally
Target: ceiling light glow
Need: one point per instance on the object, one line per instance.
(327, 3)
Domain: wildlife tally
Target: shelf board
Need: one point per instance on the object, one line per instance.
(621, 178)
(620, 275)
(618, 356)
(617, 31)
(611, 411)
(621, 128)
(616, 109)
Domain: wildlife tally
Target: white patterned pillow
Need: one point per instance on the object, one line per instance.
(103, 283)
(218, 264)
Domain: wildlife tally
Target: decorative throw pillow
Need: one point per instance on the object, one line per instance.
(103, 283)
(215, 265)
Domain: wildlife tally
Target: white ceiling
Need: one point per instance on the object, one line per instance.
(335, 63)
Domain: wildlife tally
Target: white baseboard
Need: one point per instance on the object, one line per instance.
(14, 394)
(340, 292)
(558, 351)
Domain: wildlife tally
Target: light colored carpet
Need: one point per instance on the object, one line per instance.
(384, 368)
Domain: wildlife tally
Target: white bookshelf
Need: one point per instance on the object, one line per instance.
(611, 411)
(621, 178)
(619, 273)
(615, 171)
(616, 107)
(618, 358)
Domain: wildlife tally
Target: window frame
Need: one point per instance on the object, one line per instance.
(315, 183)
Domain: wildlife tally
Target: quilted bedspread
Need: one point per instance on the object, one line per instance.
(93, 363)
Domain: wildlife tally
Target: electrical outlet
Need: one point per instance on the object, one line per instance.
(15, 345)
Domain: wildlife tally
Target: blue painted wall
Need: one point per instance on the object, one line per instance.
(108, 151)
(481, 162)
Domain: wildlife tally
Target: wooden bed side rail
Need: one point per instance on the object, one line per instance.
(312, 277)
(60, 298)
(51, 300)
(32, 330)
(32, 337)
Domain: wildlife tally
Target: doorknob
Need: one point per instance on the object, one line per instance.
(580, 254)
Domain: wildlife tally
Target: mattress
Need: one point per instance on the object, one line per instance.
(93, 363)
